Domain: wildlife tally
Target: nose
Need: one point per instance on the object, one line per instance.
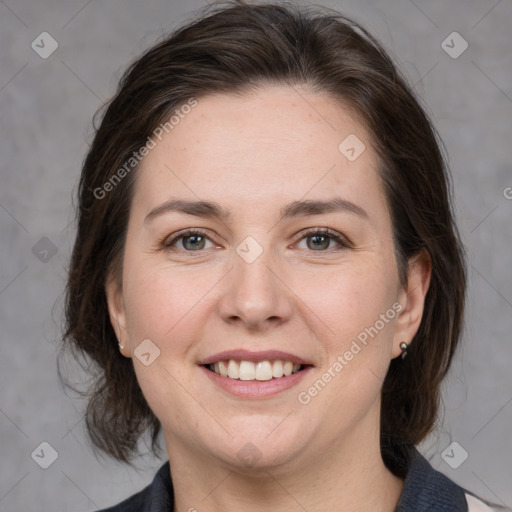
(256, 296)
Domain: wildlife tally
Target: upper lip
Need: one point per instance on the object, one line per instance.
(246, 355)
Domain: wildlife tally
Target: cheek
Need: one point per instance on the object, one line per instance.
(354, 320)
(349, 298)
(161, 300)
(164, 304)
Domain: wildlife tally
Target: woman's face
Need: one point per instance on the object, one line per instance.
(257, 175)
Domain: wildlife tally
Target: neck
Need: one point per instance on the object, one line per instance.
(351, 474)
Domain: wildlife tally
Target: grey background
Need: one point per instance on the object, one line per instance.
(45, 127)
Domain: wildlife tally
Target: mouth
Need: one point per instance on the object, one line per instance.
(263, 370)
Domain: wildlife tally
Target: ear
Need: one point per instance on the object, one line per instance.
(412, 298)
(114, 294)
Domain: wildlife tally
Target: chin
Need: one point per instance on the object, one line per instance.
(263, 447)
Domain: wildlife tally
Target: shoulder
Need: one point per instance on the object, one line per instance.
(426, 488)
(158, 496)
(135, 503)
(476, 505)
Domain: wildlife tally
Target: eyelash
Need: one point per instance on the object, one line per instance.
(341, 241)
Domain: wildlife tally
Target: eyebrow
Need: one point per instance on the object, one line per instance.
(209, 209)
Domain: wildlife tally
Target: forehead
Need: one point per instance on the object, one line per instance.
(258, 148)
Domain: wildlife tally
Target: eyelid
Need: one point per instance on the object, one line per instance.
(170, 240)
(342, 241)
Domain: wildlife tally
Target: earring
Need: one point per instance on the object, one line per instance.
(404, 347)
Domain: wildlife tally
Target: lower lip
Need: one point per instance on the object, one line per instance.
(256, 388)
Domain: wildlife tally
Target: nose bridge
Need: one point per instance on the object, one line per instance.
(255, 294)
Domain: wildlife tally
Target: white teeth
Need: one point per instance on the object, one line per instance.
(277, 369)
(223, 369)
(247, 370)
(263, 370)
(233, 369)
(287, 368)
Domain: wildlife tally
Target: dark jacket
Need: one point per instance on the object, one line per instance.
(425, 489)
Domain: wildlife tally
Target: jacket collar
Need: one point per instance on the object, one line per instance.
(426, 489)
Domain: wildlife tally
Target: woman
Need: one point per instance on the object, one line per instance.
(292, 359)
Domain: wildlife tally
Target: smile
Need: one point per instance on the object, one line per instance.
(258, 370)
(255, 375)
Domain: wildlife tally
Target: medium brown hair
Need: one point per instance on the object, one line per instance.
(235, 48)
